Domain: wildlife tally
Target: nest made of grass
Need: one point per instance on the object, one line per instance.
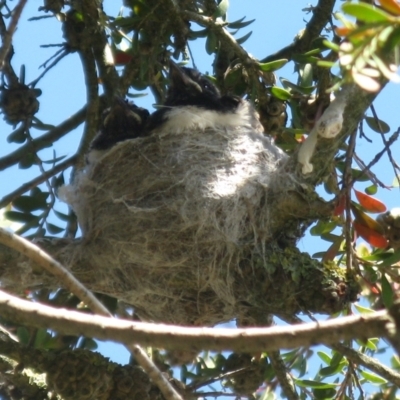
(168, 218)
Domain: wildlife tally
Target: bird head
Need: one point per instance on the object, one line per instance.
(189, 87)
(122, 121)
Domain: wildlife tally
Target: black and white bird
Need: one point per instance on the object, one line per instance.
(122, 121)
(194, 102)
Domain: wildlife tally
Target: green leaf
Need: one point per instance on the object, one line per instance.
(393, 259)
(331, 45)
(27, 161)
(211, 43)
(363, 310)
(20, 217)
(29, 203)
(244, 38)
(331, 370)
(306, 76)
(280, 93)
(88, 343)
(296, 88)
(222, 8)
(198, 34)
(323, 227)
(239, 24)
(54, 160)
(372, 378)
(62, 216)
(315, 384)
(324, 394)
(387, 292)
(53, 229)
(374, 124)
(273, 65)
(41, 338)
(324, 357)
(326, 64)
(365, 12)
(23, 335)
(371, 189)
(18, 136)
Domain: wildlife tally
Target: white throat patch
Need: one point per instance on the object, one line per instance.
(187, 118)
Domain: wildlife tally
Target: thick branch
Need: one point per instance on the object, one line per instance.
(176, 337)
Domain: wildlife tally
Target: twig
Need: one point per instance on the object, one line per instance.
(283, 376)
(52, 266)
(321, 16)
(223, 34)
(8, 35)
(47, 69)
(177, 337)
(374, 179)
(387, 146)
(43, 141)
(92, 96)
(347, 185)
(36, 181)
(368, 362)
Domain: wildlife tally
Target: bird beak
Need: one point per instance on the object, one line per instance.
(180, 80)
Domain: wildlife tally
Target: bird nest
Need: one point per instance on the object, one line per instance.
(172, 223)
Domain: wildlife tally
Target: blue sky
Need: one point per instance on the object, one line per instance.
(277, 23)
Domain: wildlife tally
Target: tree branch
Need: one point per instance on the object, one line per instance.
(283, 376)
(368, 362)
(8, 34)
(45, 140)
(36, 254)
(176, 337)
(321, 14)
(71, 283)
(37, 181)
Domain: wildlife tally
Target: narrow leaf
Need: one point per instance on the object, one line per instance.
(280, 93)
(391, 260)
(365, 12)
(240, 24)
(372, 237)
(315, 384)
(273, 65)
(365, 219)
(211, 43)
(372, 378)
(387, 292)
(371, 204)
(391, 6)
(244, 38)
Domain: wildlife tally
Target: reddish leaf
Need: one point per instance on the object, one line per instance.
(371, 204)
(365, 219)
(369, 235)
(331, 253)
(121, 57)
(340, 205)
(343, 30)
(391, 5)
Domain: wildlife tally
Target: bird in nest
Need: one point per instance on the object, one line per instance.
(194, 102)
(122, 121)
